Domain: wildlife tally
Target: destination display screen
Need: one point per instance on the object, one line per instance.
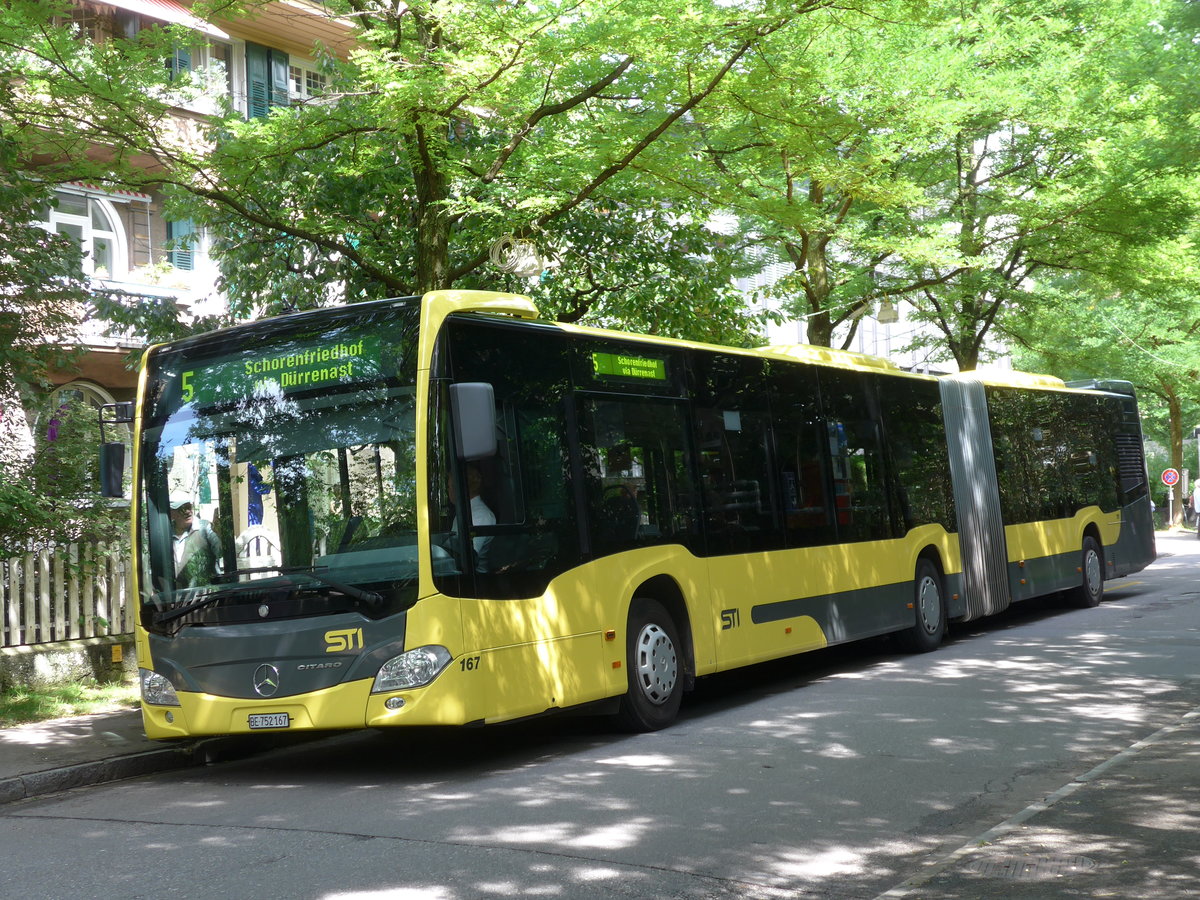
(284, 369)
(624, 365)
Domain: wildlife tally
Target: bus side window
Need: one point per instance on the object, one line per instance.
(734, 439)
(917, 448)
(802, 461)
(860, 495)
(527, 484)
(536, 537)
(637, 465)
(1013, 422)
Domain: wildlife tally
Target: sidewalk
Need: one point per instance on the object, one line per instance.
(45, 757)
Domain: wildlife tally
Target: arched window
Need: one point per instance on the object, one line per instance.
(78, 394)
(92, 222)
(83, 392)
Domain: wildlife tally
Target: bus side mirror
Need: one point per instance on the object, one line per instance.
(473, 410)
(112, 453)
(112, 469)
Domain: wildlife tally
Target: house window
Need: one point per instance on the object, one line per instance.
(181, 244)
(90, 22)
(209, 62)
(179, 63)
(304, 81)
(84, 397)
(94, 225)
(219, 68)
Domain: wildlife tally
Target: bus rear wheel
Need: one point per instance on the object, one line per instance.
(654, 669)
(1091, 582)
(929, 609)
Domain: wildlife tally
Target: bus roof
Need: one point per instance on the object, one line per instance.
(521, 308)
(1010, 378)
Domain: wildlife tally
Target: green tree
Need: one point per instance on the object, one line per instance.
(1058, 166)
(957, 158)
(805, 145)
(1143, 328)
(55, 498)
(41, 295)
(48, 484)
(42, 289)
(453, 125)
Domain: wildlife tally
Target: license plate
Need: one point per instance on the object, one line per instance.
(269, 720)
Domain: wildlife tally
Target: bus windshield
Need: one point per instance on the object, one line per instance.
(279, 471)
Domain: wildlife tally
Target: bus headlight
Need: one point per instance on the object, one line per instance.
(156, 689)
(412, 669)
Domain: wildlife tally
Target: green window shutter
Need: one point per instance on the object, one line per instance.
(258, 98)
(180, 234)
(266, 79)
(279, 78)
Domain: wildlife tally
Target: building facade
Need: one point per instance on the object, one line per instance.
(133, 249)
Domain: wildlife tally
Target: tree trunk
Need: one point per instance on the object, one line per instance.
(820, 329)
(433, 226)
(965, 348)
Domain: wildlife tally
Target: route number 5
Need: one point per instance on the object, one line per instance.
(188, 390)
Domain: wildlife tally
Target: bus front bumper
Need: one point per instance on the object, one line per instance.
(342, 707)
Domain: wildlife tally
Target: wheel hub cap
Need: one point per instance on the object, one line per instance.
(930, 605)
(1092, 572)
(657, 664)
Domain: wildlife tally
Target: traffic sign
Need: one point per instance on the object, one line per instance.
(1170, 477)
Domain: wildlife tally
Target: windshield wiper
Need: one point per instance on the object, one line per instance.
(207, 600)
(371, 598)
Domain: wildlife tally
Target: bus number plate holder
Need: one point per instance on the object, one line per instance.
(269, 720)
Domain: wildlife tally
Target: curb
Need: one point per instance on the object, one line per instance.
(148, 762)
(49, 781)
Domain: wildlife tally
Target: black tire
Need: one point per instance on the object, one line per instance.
(929, 610)
(1091, 582)
(654, 668)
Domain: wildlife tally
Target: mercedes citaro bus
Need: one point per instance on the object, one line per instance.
(445, 510)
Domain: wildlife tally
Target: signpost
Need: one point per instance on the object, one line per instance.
(1170, 477)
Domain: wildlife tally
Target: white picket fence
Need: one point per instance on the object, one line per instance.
(55, 595)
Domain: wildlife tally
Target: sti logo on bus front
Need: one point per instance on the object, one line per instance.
(343, 640)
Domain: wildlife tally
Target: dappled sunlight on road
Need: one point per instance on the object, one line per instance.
(32, 736)
(1168, 813)
(825, 864)
(406, 893)
(641, 761)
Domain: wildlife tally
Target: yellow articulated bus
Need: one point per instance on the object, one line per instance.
(443, 510)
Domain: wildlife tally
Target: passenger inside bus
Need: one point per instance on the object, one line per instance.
(481, 515)
(197, 547)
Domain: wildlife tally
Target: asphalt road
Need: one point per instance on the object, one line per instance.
(839, 774)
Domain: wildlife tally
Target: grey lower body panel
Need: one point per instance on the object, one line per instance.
(847, 616)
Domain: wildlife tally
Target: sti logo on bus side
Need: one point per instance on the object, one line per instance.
(344, 639)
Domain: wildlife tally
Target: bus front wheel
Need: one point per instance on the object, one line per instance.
(1091, 582)
(929, 608)
(653, 667)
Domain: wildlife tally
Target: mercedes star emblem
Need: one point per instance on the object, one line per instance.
(266, 680)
